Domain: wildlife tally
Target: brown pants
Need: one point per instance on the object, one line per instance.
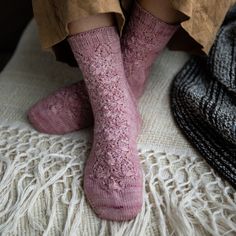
(196, 34)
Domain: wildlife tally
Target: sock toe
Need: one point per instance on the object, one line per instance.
(118, 206)
(45, 122)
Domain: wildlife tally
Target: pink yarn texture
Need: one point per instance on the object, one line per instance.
(113, 174)
(68, 109)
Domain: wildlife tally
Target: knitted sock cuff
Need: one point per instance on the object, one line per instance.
(91, 39)
(155, 24)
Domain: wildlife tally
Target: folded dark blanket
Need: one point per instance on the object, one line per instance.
(203, 101)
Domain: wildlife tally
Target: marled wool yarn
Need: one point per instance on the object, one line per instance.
(203, 100)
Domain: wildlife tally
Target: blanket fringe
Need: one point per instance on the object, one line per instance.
(41, 191)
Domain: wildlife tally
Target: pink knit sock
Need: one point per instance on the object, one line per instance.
(143, 38)
(66, 110)
(113, 176)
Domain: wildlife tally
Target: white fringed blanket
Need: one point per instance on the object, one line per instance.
(41, 175)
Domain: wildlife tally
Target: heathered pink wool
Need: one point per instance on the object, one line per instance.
(68, 109)
(113, 174)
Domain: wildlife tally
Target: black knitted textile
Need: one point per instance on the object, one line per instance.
(203, 101)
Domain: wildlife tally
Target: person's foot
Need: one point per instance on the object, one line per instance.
(66, 110)
(113, 176)
(143, 38)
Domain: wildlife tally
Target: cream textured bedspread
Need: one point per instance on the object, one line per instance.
(41, 175)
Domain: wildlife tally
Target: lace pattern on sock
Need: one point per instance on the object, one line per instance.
(112, 167)
(66, 100)
(144, 37)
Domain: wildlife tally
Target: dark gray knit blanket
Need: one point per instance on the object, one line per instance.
(203, 101)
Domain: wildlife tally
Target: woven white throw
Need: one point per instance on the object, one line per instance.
(41, 175)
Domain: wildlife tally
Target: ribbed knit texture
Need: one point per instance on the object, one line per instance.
(113, 175)
(203, 101)
(68, 109)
